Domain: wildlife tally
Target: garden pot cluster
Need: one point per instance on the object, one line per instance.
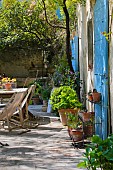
(65, 100)
(81, 127)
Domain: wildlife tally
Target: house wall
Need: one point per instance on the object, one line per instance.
(86, 72)
(111, 61)
(82, 50)
(85, 14)
(90, 51)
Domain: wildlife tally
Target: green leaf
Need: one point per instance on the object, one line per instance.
(81, 165)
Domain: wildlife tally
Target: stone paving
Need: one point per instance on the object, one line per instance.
(47, 147)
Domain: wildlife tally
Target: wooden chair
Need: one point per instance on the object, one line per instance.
(15, 112)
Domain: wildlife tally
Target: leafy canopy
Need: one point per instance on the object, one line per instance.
(23, 25)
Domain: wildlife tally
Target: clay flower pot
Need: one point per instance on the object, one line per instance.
(63, 114)
(87, 116)
(96, 96)
(8, 86)
(88, 131)
(77, 134)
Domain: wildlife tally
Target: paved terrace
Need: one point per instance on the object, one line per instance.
(47, 147)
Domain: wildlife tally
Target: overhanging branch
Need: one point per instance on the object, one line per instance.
(52, 25)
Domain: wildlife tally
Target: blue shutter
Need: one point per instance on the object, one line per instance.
(101, 65)
(74, 50)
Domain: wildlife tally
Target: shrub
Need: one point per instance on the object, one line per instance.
(98, 154)
(64, 97)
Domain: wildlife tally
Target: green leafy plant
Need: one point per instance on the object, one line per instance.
(98, 154)
(64, 97)
(73, 121)
(37, 89)
(45, 93)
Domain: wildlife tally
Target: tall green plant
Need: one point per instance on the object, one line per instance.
(64, 97)
(98, 154)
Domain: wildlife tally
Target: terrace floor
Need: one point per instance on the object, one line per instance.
(47, 147)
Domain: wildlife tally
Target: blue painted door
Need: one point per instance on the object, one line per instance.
(74, 50)
(101, 66)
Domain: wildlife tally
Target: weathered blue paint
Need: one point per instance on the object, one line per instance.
(101, 66)
(74, 50)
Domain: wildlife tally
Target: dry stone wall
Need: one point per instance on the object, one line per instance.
(22, 65)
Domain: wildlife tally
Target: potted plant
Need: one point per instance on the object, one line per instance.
(8, 83)
(74, 126)
(45, 94)
(65, 100)
(88, 122)
(36, 99)
(87, 116)
(88, 129)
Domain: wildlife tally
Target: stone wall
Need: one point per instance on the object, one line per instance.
(22, 65)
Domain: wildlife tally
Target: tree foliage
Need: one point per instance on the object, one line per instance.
(29, 23)
(23, 25)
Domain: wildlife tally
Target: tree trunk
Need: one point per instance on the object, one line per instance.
(68, 48)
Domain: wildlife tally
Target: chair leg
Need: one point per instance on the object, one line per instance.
(21, 117)
(8, 123)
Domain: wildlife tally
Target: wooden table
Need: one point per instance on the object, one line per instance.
(8, 93)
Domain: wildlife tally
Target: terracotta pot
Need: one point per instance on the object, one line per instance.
(8, 86)
(87, 116)
(88, 131)
(70, 132)
(77, 135)
(63, 114)
(96, 96)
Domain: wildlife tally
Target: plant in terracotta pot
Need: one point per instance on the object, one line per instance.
(88, 129)
(87, 116)
(74, 124)
(45, 94)
(36, 99)
(65, 99)
(88, 122)
(8, 83)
